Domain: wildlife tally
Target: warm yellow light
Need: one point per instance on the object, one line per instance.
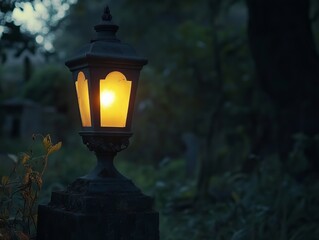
(82, 91)
(107, 98)
(115, 93)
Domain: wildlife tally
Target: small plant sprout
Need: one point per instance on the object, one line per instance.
(19, 190)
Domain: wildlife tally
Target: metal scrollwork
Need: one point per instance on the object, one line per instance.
(105, 143)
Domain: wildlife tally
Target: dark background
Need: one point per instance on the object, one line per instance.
(226, 121)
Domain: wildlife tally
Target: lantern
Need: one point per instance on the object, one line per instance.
(106, 74)
(103, 204)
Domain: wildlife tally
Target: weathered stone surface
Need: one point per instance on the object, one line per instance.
(85, 213)
(94, 204)
(59, 224)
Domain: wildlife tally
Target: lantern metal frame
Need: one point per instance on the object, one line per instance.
(106, 54)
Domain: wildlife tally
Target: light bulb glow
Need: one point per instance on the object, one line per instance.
(107, 98)
(115, 92)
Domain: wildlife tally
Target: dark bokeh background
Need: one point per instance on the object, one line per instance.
(226, 121)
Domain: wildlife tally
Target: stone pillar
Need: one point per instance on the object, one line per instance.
(98, 210)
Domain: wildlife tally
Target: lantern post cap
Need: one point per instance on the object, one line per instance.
(105, 48)
(106, 16)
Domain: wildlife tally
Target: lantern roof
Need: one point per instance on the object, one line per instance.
(106, 48)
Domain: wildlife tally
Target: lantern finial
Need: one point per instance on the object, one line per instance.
(107, 14)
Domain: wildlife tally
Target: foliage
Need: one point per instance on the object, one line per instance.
(19, 191)
(49, 87)
(267, 204)
(17, 38)
(13, 37)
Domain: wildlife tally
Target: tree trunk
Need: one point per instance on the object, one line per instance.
(287, 65)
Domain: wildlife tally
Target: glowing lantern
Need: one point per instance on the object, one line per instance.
(103, 204)
(106, 73)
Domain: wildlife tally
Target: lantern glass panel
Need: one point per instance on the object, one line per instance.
(115, 93)
(82, 91)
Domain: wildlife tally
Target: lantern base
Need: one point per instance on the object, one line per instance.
(111, 209)
(58, 223)
(104, 204)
